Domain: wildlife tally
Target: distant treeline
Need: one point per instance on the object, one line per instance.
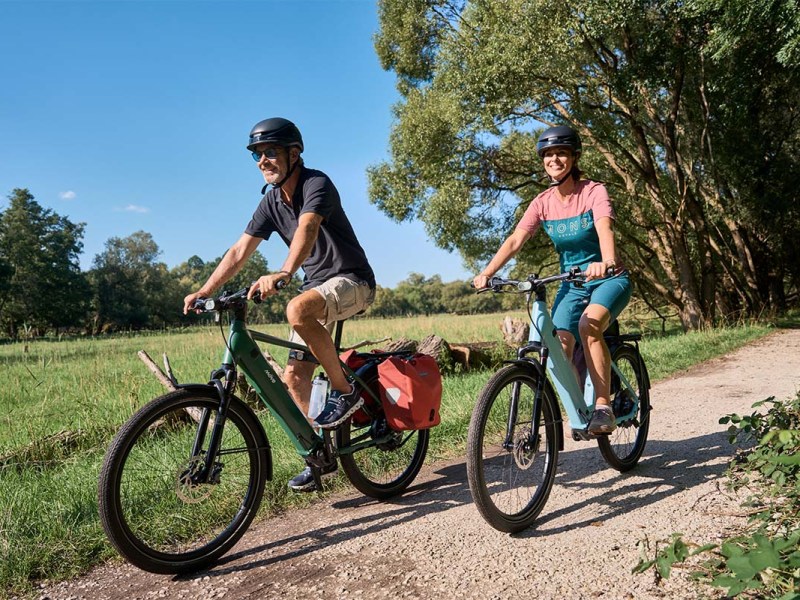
(43, 290)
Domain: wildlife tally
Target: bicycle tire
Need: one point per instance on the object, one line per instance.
(386, 470)
(511, 487)
(623, 447)
(155, 516)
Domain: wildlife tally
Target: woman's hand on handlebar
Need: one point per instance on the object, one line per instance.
(268, 285)
(597, 270)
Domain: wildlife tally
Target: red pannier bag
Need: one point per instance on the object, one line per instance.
(352, 360)
(411, 391)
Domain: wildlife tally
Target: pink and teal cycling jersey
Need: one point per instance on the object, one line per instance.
(571, 225)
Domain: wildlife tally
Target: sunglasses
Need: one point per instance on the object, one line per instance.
(271, 153)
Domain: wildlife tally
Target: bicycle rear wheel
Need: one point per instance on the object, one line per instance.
(381, 470)
(154, 511)
(624, 446)
(510, 485)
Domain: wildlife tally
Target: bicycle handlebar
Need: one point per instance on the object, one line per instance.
(229, 301)
(495, 284)
(534, 281)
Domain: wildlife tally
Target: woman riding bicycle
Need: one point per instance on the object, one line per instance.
(577, 215)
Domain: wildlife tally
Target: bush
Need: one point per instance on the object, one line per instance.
(765, 561)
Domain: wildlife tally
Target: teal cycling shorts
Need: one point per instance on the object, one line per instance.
(613, 293)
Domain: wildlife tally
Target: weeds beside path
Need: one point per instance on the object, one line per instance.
(432, 543)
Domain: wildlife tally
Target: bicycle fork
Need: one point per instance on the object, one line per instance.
(224, 381)
(532, 439)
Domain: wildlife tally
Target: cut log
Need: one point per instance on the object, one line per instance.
(515, 331)
(476, 355)
(438, 348)
(401, 345)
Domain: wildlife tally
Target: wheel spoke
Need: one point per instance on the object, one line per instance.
(511, 474)
(624, 446)
(153, 504)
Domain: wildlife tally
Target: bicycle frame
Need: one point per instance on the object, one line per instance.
(577, 403)
(243, 351)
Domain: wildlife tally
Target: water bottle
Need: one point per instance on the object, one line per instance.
(319, 395)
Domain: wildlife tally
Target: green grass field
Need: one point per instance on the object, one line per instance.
(62, 401)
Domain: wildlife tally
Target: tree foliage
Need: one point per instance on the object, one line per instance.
(43, 291)
(132, 290)
(688, 114)
(41, 285)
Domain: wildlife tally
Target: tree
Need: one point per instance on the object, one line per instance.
(132, 290)
(420, 295)
(690, 131)
(41, 284)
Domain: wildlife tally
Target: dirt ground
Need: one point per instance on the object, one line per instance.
(431, 542)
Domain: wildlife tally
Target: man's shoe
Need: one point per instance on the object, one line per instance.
(304, 481)
(602, 421)
(339, 407)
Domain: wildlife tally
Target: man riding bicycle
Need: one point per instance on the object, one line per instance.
(303, 207)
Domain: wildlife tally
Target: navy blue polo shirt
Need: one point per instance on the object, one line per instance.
(336, 252)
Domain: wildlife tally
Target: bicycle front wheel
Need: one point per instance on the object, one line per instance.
(624, 446)
(381, 470)
(510, 472)
(153, 506)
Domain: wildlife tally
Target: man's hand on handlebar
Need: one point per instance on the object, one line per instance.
(480, 282)
(188, 302)
(268, 285)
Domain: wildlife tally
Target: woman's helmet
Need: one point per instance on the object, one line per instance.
(275, 131)
(559, 137)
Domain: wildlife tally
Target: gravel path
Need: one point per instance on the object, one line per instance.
(432, 543)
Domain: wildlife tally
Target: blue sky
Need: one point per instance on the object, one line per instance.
(134, 115)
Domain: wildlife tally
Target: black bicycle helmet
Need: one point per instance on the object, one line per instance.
(275, 131)
(559, 137)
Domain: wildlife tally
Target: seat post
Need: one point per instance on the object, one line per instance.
(337, 336)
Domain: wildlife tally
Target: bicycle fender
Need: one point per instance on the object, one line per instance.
(206, 388)
(536, 367)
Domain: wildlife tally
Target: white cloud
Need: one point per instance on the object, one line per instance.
(136, 208)
(68, 195)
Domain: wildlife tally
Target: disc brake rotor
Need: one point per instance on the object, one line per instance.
(188, 490)
(524, 452)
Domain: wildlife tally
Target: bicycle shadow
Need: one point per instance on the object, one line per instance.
(666, 468)
(438, 492)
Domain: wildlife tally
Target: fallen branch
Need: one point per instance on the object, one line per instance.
(273, 363)
(367, 343)
(156, 370)
(168, 382)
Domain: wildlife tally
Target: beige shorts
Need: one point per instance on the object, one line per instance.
(343, 299)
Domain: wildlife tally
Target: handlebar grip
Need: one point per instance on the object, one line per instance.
(279, 285)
